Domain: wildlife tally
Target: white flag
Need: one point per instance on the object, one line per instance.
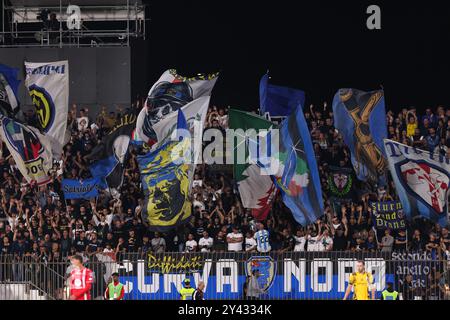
(30, 149)
(170, 93)
(48, 85)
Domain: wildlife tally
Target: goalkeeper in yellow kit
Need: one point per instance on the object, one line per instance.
(362, 282)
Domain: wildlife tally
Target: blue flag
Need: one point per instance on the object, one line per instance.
(9, 85)
(108, 158)
(298, 175)
(278, 101)
(86, 189)
(421, 180)
(361, 119)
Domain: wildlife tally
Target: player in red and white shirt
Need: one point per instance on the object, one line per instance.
(80, 280)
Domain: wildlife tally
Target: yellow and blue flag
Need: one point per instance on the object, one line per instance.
(166, 183)
(360, 118)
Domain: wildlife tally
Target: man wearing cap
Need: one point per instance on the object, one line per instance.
(187, 291)
(115, 290)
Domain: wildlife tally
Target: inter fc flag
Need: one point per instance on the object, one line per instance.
(421, 180)
(165, 181)
(298, 175)
(108, 158)
(48, 86)
(170, 93)
(361, 119)
(30, 150)
(256, 188)
(9, 85)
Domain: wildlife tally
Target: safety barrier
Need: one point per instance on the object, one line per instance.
(288, 275)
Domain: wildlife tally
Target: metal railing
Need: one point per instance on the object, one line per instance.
(286, 276)
(112, 25)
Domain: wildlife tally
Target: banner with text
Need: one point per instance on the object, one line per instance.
(388, 215)
(294, 275)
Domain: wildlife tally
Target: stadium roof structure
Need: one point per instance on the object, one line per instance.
(45, 3)
(101, 23)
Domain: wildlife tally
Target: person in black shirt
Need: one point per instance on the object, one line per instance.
(146, 245)
(94, 246)
(199, 230)
(214, 228)
(138, 229)
(220, 242)
(84, 216)
(445, 239)
(417, 242)
(198, 293)
(288, 241)
(227, 199)
(131, 242)
(80, 242)
(65, 243)
(117, 230)
(109, 239)
(400, 241)
(407, 288)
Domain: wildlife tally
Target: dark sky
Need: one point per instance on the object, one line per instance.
(318, 46)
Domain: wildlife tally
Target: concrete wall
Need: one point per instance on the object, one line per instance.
(98, 76)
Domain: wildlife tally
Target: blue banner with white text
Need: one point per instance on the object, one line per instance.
(86, 189)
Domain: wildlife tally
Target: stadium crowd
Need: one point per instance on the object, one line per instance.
(38, 222)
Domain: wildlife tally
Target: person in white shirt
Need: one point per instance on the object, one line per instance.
(223, 119)
(250, 242)
(191, 244)
(300, 241)
(82, 121)
(326, 242)
(312, 240)
(262, 238)
(206, 242)
(235, 240)
(198, 204)
(105, 218)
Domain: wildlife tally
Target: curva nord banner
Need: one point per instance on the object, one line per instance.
(295, 275)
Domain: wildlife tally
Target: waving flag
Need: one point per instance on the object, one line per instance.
(167, 95)
(421, 179)
(165, 181)
(256, 188)
(9, 86)
(77, 189)
(340, 183)
(361, 119)
(109, 156)
(30, 150)
(278, 101)
(48, 85)
(298, 175)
